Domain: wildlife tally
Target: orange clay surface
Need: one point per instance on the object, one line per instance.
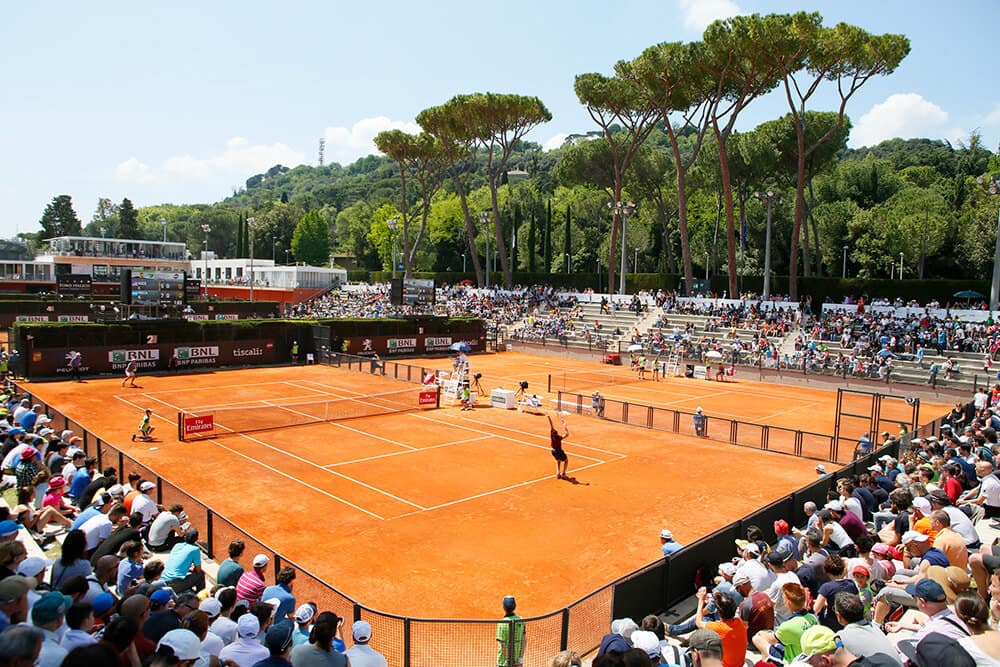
(439, 513)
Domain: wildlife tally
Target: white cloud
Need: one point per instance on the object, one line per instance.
(345, 145)
(993, 117)
(698, 14)
(133, 170)
(555, 141)
(903, 115)
(238, 157)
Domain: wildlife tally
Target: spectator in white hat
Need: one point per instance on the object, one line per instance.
(251, 585)
(361, 654)
(667, 544)
(246, 651)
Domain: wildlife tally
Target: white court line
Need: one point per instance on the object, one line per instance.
(508, 438)
(784, 412)
(416, 449)
(315, 465)
(495, 491)
(304, 398)
(372, 435)
(243, 385)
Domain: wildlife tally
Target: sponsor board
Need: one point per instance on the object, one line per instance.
(427, 397)
(437, 343)
(51, 362)
(227, 316)
(196, 317)
(73, 318)
(391, 345)
(32, 318)
(194, 425)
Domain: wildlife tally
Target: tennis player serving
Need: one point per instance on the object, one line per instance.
(562, 461)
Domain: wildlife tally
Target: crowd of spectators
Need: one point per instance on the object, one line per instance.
(890, 569)
(129, 587)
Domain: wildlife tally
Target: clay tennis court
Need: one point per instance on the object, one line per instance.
(439, 513)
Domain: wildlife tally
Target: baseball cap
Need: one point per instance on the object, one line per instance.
(860, 569)
(698, 409)
(646, 641)
(361, 631)
(821, 468)
(913, 536)
(816, 640)
(922, 504)
(46, 432)
(13, 587)
(210, 606)
(926, 589)
(666, 534)
(935, 649)
(279, 636)
(775, 558)
(184, 643)
(50, 607)
(834, 506)
(116, 490)
(305, 613)
(705, 640)
(147, 486)
(273, 603)
(260, 560)
(875, 468)
(248, 626)
(740, 579)
(8, 528)
(31, 567)
(727, 569)
(752, 548)
(882, 548)
(103, 602)
(160, 596)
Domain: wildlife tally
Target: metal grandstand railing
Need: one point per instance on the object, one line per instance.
(418, 642)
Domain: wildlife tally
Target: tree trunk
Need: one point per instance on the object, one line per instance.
(547, 256)
(682, 225)
(470, 232)
(800, 197)
(531, 242)
(727, 192)
(501, 249)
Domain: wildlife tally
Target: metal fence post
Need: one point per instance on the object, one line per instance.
(209, 532)
(406, 642)
(564, 630)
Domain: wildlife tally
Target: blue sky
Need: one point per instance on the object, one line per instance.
(181, 102)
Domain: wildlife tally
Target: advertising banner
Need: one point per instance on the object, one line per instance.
(49, 362)
(73, 285)
(419, 344)
(194, 425)
(427, 397)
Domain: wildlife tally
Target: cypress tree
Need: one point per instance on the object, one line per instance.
(239, 235)
(547, 257)
(567, 242)
(532, 251)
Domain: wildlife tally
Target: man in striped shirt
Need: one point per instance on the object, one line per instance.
(250, 586)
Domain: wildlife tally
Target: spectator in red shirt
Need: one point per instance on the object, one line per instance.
(756, 610)
(949, 482)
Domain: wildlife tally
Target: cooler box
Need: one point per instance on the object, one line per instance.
(503, 398)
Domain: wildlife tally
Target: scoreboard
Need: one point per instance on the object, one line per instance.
(153, 288)
(412, 292)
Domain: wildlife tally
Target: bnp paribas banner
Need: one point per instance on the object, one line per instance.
(53, 362)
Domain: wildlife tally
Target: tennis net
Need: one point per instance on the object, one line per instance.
(221, 421)
(587, 380)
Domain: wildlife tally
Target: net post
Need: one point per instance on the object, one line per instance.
(437, 397)
(180, 426)
(549, 389)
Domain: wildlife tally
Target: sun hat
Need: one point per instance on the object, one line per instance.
(184, 643)
(248, 626)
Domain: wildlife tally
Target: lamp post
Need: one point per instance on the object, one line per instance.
(484, 219)
(102, 231)
(624, 210)
(463, 262)
(206, 229)
(393, 224)
(843, 271)
(635, 261)
(707, 257)
(163, 223)
(767, 199)
(288, 256)
(994, 188)
(251, 222)
(566, 254)
(900, 266)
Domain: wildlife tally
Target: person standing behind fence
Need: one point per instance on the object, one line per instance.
(597, 404)
(510, 636)
(361, 654)
(699, 422)
(295, 351)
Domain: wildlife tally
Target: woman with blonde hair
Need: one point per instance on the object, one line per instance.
(566, 659)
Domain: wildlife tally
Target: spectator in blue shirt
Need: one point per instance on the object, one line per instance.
(667, 544)
(182, 571)
(83, 477)
(282, 592)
